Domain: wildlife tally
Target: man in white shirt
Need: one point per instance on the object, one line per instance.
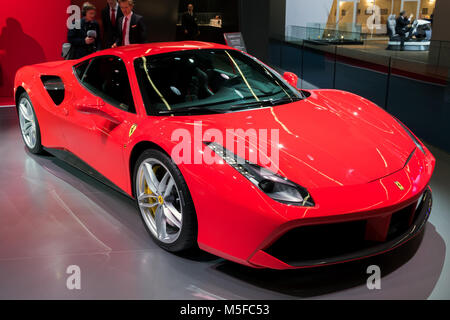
(131, 27)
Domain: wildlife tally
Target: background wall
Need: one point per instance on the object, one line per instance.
(258, 21)
(253, 18)
(277, 25)
(160, 18)
(29, 34)
(440, 44)
(299, 12)
(441, 22)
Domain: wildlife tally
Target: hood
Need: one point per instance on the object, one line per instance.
(332, 138)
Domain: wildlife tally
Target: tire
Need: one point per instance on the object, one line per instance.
(29, 125)
(180, 235)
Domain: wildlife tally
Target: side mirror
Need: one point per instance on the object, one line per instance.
(291, 78)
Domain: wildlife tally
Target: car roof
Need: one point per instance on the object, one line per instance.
(134, 51)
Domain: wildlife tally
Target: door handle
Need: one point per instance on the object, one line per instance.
(96, 109)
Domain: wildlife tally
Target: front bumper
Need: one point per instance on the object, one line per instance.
(241, 224)
(401, 226)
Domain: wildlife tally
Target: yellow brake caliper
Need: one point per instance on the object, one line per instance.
(149, 192)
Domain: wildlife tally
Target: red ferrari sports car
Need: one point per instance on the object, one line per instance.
(347, 180)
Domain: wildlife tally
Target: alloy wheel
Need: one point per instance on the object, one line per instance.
(159, 200)
(27, 123)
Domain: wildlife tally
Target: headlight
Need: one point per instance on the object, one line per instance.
(272, 184)
(417, 142)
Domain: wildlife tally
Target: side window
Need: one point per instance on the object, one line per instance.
(107, 77)
(80, 69)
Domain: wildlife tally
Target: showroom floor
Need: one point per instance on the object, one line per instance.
(53, 216)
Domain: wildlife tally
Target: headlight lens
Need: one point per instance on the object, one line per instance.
(272, 184)
(417, 142)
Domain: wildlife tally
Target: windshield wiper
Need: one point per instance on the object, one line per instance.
(190, 110)
(260, 103)
(263, 103)
(286, 100)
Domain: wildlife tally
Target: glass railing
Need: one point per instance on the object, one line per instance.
(325, 34)
(345, 27)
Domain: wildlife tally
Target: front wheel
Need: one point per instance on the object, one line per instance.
(165, 202)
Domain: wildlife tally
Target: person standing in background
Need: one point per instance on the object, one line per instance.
(131, 28)
(189, 24)
(110, 17)
(85, 40)
(402, 29)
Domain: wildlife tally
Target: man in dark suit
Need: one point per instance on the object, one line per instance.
(131, 27)
(189, 23)
(110, 17)
(401, 28)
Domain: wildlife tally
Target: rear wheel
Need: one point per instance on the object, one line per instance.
(165, 202)
(29, 125)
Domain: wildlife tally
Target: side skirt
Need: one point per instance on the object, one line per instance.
(71, 159)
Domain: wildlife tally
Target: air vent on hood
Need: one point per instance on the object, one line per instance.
(55, 88)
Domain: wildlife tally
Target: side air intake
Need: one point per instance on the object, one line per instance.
(55, 88)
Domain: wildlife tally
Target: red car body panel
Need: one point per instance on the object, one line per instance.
(346, 151)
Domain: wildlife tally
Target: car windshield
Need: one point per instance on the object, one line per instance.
(205, 81)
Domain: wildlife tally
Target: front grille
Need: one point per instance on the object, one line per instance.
(317, 243)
